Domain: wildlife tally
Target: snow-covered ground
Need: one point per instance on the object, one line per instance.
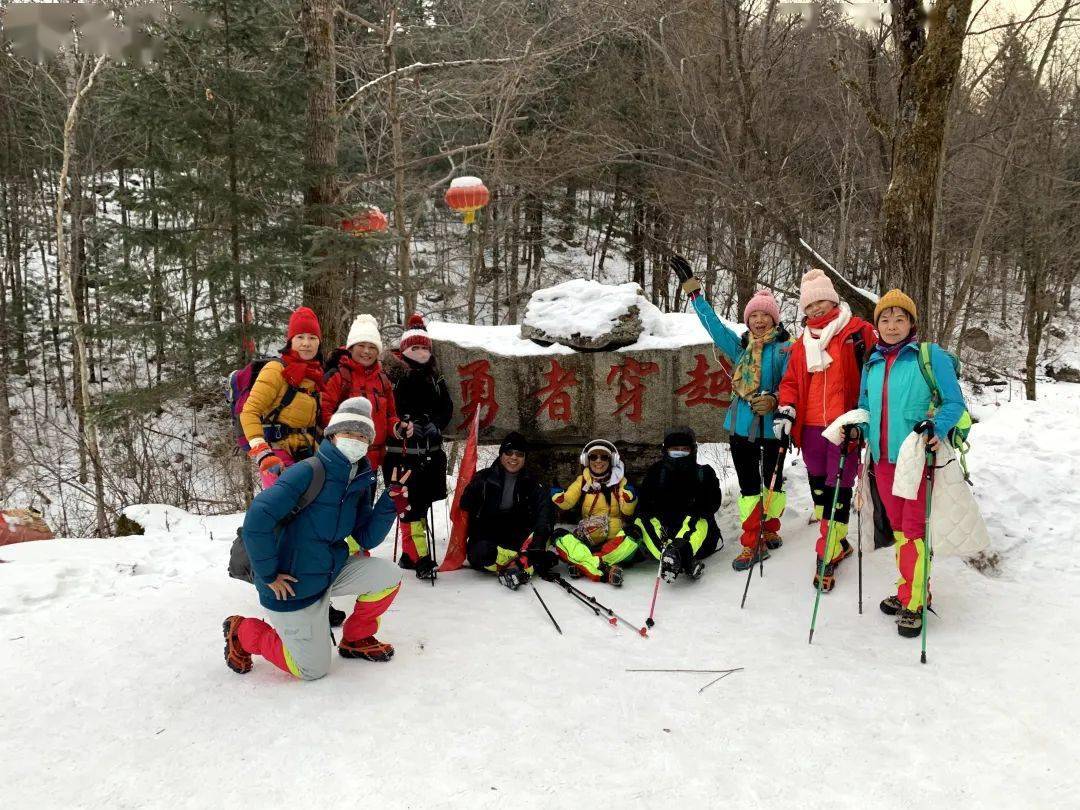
(115, 693)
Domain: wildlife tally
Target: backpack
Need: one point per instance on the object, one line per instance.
(958, 436)
(239, 562)
(239, 389)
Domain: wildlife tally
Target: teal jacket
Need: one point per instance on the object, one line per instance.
(909, 396)
(740, 418)
(312, 546)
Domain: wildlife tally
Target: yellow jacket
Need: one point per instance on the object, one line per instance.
(266, 393)
(617, 503)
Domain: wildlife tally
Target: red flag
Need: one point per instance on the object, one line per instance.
(459, 518)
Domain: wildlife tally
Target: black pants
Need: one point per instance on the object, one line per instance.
(482, 548)
(426, 484)
(753, 467)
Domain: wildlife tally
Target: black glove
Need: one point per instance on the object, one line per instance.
(541, 560)
(852, 434)
(681, 267)
(431, 433)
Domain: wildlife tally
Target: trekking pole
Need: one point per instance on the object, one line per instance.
(828, 536)
(858, 522)
(656, 589)
(430, 521)
(926, 426)
(613, 617)
(780, 457)
(548, 612)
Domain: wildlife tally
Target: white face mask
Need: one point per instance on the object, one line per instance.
(678, 453)
(352, 449)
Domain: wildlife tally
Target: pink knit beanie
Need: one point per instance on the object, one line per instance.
(816, 287)
(762, 301)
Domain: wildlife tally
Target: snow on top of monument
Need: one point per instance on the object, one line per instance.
(587, 308)
(504, 340)
(466, 182)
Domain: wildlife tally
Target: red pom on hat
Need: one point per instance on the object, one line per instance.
(415, 333)
(303, 321)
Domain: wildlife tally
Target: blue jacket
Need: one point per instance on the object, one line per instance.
(312, 546)
(909, 396)
(774, 359)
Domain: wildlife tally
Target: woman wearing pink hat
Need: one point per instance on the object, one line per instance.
(759, 358)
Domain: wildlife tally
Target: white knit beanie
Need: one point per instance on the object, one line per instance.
(364, 329)
(352, 416)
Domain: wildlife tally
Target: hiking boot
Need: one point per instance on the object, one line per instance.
(611, 574)
(827, 577)
(513, 576)
(909, 625)
(337, 617)
(425, 568)
(370, 649)
(670, 565)
(236, 657)
(574, 572)
(747, 559)
(890, 606)
(773, 541)
(697, 568)
(405, 562)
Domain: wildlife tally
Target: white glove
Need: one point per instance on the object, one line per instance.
(782, 422)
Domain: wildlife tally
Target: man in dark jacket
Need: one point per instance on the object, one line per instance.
(678, 506)
(300, 560)
(510, 518)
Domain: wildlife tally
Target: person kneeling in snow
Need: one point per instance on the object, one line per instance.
(301, 560)
(509, 518)
(897, 395)
(677, 513)
(603, 499)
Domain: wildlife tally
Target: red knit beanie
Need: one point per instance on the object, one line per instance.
(415, 333)
(303, 322)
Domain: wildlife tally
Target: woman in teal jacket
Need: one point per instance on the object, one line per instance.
(898, 396)
(759, 359)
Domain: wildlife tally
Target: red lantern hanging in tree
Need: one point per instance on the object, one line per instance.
(467, 195)
(367, 220)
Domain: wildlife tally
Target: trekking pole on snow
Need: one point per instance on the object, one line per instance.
(548, 612)
(656, 589)
(591, 602)
(780, 457)
(828, 535)
(431, 543)
(926, 426)
(858, 522)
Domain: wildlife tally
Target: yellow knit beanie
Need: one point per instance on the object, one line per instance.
(896, 298)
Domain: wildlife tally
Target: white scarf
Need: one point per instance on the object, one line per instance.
(817, 359)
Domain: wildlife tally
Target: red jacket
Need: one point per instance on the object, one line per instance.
(350, 379)
(839, 399)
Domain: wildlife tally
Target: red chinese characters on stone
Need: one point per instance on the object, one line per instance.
(477, 392)
(555, 397)
(630, 378)
(706, 387)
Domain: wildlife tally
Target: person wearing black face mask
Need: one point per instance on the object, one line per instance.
(677, 511)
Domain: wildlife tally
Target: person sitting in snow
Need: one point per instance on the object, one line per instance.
(280, 416)
(678, 506)
(820, 385)
(896, 397)
(355, 371)
(602, 499)
(509, 518)
(759, 359)
(425, 409)
(300, 561)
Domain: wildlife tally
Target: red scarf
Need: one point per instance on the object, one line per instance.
(824, 320)
(297, 370)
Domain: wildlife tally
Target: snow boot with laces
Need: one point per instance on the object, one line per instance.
(890, 606)
(773, 541)
(670, 564)
(829, 579)
(513, 576)
(748, 559)
(236, 657)
(369, 649)
(909, 624)
(611, 574)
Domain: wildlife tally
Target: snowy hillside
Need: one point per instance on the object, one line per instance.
(116, 694)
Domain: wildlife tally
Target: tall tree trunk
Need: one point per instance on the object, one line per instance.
(393, 112)
(325, 279)
(243, 348)
(929, 55)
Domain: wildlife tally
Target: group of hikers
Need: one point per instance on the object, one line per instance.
(320, 427)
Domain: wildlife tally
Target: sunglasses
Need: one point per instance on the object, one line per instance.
(599, 457)
(514, 454)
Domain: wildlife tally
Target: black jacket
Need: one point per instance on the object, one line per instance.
(420, 392)
(675, 488)
(531, 511)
